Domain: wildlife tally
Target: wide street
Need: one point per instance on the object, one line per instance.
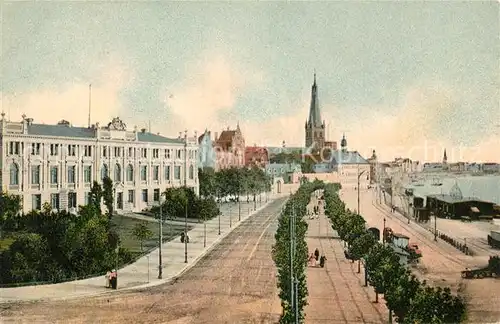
(234, 283)
(336, 292)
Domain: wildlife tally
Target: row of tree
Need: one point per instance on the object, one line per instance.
(411, 300)
(233, 182)
(295, 207)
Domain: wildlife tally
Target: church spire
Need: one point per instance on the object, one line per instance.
(445, 157)
(314, 114)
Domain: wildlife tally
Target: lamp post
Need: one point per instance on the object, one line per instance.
(435, 227)
(160, 240)
(239, 194)
(359, 176)
(383, 230)
(186, 202)
(220, 214)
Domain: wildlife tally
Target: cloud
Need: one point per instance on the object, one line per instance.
(71, 101)
(207, 96)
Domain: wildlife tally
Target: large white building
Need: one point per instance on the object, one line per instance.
(57, 164)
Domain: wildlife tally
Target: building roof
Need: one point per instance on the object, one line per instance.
(484, 188)
(286, 150)
(314, 113)
(341, 157)
(255, 149)
(202, 136)
(226, 136)
(60, 131)
(90, 133)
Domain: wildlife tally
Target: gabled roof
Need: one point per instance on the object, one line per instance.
(226, 136)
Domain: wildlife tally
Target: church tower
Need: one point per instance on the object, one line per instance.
(315, 128)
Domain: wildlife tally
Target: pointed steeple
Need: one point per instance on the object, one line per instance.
(314, 114)
(445, 157)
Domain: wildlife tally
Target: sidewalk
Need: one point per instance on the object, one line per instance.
(144, 272)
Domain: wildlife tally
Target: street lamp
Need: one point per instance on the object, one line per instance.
(383, 230)
(230, 218)
(186, 202)
(160, 239)
(359, 176)
(239, 194)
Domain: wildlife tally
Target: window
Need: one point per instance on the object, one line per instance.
(72, 174)
(72, 150)
(191, 172)
(144, 173)
(130, 173)
(156, 195)
(54, 149)
(53, 175)
(144, 153)
(179, 154)
(156, 153)
(88, 198)
(87, 150)
(118, 173)
(167, 172)
(14, 148)
(177, 172)
(35, 148)
(167, 153)
(130, 152)
(105, 151)
(104, 171)
(54, 201)
(36, 202)
(35, 174)
(87, 174)
(156, 173)
(131, 195)
(72, 200)
(14, 174)
(118, 152)
(145, 195)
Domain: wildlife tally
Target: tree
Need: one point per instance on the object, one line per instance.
(207, 180)
(361, 246)
(142, 232)
(96, 196)
(10, 206)
(401, 292)
(107, 195)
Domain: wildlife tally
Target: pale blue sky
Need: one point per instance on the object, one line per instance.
(368, 57)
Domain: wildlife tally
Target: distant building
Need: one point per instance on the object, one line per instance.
(57, 164)
(229, 149)
(256, 156)
(289, 172)
(206, 151)
(373, 166)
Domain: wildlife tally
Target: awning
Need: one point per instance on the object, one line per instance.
(474, 209)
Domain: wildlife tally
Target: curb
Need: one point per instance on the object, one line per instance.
(150, 284)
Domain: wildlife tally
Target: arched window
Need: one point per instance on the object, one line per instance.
(191, 172)
(118, 173)
(104, 171)
(130, 173)
(14, 174)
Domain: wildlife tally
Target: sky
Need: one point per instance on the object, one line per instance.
(402, 78)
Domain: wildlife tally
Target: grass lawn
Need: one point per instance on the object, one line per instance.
(125, 226)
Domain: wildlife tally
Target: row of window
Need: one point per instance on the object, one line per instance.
(72, 176)
(15, 148)
(55, 199)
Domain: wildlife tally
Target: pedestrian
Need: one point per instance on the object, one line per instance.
(316, 254)
(108, 279)
(322, 261)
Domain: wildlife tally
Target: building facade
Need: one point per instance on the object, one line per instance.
(206, 151)
(288, 172)
(229, 149)
(57, 164)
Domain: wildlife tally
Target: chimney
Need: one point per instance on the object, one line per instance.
(143, 130)
(29, 121)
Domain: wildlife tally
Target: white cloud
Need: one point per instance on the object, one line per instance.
(71, 101)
